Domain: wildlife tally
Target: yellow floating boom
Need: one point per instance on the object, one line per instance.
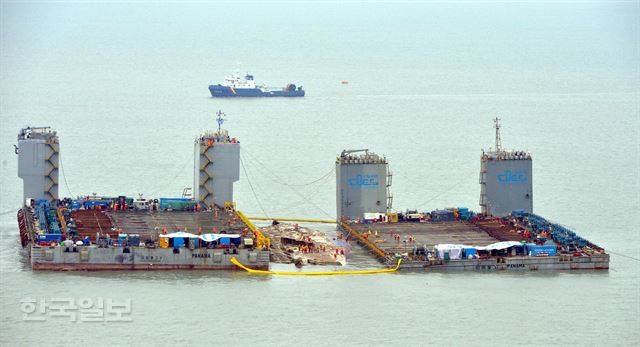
(296, 220)
(314, 273)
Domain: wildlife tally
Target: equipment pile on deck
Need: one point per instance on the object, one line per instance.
(291, 243)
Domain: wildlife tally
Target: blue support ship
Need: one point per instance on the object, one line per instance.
(235, 86)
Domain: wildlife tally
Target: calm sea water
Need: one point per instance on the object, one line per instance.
(125, 86)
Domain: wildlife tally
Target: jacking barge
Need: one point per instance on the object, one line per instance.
(505, 235)
(123, 233)
(93, 238)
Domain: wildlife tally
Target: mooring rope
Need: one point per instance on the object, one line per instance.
(255, 196)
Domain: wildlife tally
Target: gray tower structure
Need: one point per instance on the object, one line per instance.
(362, 181)
(38, 160)
(506, 180)
(217, 166)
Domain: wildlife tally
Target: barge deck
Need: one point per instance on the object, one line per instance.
(415, 242)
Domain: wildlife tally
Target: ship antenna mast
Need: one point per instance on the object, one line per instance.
(220, 119)
(498, 141)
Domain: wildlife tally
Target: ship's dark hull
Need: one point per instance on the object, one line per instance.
(219, 91)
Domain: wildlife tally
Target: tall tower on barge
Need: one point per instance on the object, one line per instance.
(217, 166)
(506, 180)
(363, 184)
(38, 161)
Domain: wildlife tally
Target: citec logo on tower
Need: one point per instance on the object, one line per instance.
(363, 181)
(512, 177)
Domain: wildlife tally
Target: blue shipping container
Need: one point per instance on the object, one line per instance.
(91, 203)
(50, 237)
(469, 251)
(166, 202)
(442, 216)
(178, 242)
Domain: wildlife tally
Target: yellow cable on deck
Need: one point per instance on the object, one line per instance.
(318, 273)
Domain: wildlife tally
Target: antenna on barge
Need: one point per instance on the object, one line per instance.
(498, 141)
(505, 179)
(220, 119)
(216, 166)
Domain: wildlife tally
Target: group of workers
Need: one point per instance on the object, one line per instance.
(528, 235)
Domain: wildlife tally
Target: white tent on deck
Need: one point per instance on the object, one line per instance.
(455, 251)
(499, 245)
(179, 234)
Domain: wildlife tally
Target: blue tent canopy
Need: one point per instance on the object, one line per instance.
(215, 237)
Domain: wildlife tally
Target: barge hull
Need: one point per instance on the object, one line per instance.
(228, 92)
(595, 262)
(93, 258)
(140, 267)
